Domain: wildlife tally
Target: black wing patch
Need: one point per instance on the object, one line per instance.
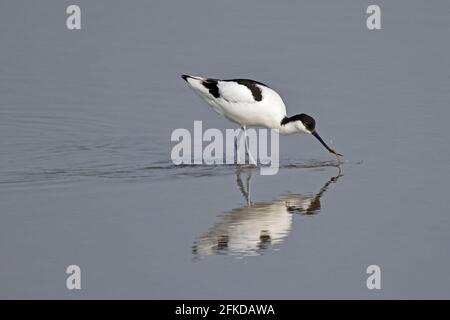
(252, 86)
(211, 85)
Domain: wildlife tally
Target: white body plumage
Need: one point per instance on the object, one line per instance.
(239, 101)
(251, 103)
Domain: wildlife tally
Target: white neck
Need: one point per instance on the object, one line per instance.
(290, 128)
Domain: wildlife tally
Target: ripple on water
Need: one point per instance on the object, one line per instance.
(162, 170)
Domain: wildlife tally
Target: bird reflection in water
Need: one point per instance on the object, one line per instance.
(256, 227)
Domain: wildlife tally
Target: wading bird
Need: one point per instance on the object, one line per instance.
(251, 103)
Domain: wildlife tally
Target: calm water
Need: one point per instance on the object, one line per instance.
(86, 177)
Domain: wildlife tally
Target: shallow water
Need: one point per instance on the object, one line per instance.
(86, 176)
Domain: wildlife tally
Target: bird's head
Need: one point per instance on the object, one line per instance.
(306, 124)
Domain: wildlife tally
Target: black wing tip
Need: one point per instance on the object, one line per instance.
(185, 77)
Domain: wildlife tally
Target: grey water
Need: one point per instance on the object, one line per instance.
(86, 176)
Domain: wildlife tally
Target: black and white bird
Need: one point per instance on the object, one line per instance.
(250, 103)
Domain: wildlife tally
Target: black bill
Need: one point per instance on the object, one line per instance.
(315, 134)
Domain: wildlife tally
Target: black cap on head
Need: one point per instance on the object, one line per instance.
(308, 121)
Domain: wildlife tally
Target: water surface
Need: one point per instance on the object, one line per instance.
(86, 177)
